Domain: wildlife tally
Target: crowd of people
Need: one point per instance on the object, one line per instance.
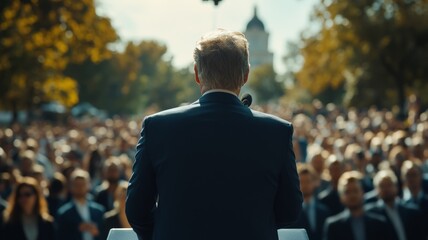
(360, 172)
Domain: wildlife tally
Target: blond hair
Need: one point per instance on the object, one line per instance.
(347, 178)
(222, 59)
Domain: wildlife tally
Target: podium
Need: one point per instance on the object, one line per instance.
(283, 234)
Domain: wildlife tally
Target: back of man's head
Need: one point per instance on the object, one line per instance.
(221, 59)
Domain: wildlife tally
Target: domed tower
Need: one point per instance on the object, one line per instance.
(258, 39)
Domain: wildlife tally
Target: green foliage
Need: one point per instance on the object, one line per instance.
(134, 80)
(54, 50)
(376, 49)
(263, 80)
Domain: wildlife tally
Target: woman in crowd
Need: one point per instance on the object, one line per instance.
(26, 217)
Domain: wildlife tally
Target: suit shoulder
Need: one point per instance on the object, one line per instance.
(173, 111)
(65, 208)
(322, 207)
(375, 217)
(270, 118)
(336, 218)
(96, 206)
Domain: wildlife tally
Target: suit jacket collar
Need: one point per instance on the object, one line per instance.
(220, 97)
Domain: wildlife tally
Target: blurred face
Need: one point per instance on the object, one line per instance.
(113, 174)
(27, 199)
(335, 170)
(307, 185)
(413, 178)
(318, 163)
(352, 196)
(79, 188)
(387, 190)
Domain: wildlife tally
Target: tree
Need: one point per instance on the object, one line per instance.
(39, 39)
(263, 81)
(375, 49)
(133, 80)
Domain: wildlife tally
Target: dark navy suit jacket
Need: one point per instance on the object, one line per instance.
(339, 227)
(411, 219)
(321, 214)
(68, 220)
(213, 170)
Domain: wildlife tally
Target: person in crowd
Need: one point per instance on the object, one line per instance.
(413, 193)
(5, 165)
(26, 216)
(40, 159)
(404, 221)
(316, 159)
(314, 213)
(3, 205)
(27, 160)
(116, 218)
(105, 192)
(330, 196)
(57, 193)
(80, 218)
(354, 223)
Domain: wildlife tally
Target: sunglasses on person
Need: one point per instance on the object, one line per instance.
(26, 194)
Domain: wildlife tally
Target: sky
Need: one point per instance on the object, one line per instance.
(179, 24)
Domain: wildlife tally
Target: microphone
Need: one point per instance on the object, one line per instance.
(247, 100)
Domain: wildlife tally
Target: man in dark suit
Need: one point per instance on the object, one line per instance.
(354, 223)
(330, 196)
(79, 219)
(314, 213)
(404, 222)
(105, 192)
(214, 169)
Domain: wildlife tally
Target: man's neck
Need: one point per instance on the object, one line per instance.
(307, 198)
(357, 212)
(415, 191)
(390, 203)
(236, 92)
(81, 201)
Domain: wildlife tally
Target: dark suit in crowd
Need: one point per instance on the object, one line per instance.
(340, 227)
(410, 217)
(3, 205)
(320, 214)
(330, 198)
(111, 220)
(214, 169)
(15, 230)
(68, 220)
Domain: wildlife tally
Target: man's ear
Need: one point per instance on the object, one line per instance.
(246, 76)
(197, 80)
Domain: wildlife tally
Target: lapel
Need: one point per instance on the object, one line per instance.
(75, 214)
(347, 227)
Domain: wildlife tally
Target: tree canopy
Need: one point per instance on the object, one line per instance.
(39, 38)
(374, 50)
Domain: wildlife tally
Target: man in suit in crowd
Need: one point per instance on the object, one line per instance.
(214, 169)
(354, 223)
(3, 205)
(314, 213)
(330, 196)
(404, 221)
(79, 219)
(105, 192)
(413, 193)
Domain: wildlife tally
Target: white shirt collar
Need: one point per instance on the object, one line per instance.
(219, 90)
